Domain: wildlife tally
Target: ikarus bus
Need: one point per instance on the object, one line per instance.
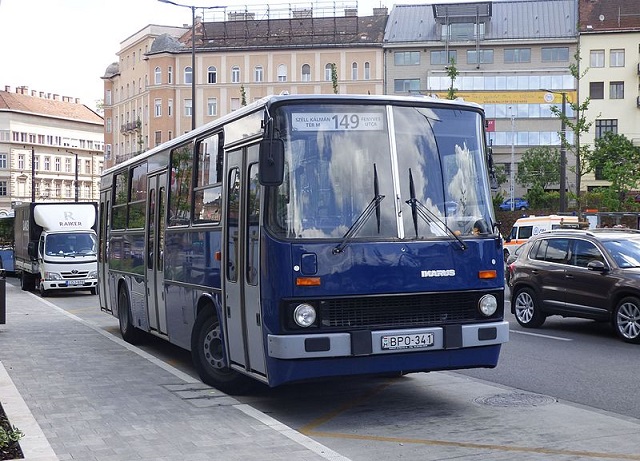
(311, 236)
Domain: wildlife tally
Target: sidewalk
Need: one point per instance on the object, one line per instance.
(91, 396)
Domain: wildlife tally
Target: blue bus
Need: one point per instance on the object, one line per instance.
(311, 236)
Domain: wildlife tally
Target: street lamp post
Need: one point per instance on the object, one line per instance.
(563, 151)
(513, 162)
(193, 58)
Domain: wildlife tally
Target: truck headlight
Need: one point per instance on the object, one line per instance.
(52, 276)
(304, 315)
(92, 275)
(488, 305)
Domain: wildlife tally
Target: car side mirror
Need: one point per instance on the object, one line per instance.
(597, 266)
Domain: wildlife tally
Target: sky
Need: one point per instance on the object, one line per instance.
(64, 46)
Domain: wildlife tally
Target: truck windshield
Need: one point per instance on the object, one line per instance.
(70, 244)
(339, 159)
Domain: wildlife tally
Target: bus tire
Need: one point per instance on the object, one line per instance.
(207, 352)
(129, 332)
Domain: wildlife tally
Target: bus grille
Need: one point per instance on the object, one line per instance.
(394, 311)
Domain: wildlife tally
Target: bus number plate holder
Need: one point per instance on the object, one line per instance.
(412, 341)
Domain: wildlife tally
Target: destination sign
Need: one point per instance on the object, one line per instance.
(337, 121)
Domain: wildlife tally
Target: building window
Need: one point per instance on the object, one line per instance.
(462, 31)
(258, 74)
(3, 161)
(3, 188)
(157, 76)
(212, 74)
(367, 70)
(212, 106)
(47, 163)
(354, 71)
(406, 58)
(57, 163)
(513, 55)
(235, 74)
(486, 57)
(20, 162)
(235, 104)
(158, 137)
(410, 85)
(439, 57)
(170, 75)
(555, 54)
(604, 125)
(188, 74)
(596, 58)
(87, 166)
(282, 73)
(67, 165)
(616, 58)
(109, 126)
(306, 73)
(157, 107)
(327, 72)
(596, 90)
(616, 90)
(170, 107)
(187, 107)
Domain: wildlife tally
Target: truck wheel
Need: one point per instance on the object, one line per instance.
(93, 291)
(128, 331)
(207, 352)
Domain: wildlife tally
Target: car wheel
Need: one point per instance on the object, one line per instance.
(626, 319)
(527, 309)
(523, 207)
(209, 358)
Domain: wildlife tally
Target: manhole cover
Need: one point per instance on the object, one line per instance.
(516, 400)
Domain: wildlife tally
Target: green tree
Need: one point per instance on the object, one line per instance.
(243, 95)
(452, 73)
(539, 168)
(577, 126)
(618, 160)
(334, 77)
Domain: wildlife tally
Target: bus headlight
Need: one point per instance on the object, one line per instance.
(488, 305)
(304, 315)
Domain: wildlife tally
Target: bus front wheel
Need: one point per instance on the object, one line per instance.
(207, 351)
(128, 331)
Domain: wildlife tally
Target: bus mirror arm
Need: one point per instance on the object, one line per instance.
(271, 162)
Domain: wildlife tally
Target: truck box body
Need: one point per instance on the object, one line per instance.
(55, 245)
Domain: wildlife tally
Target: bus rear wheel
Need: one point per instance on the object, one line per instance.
(207, 352)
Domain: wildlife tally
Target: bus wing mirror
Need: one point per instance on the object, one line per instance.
(271, 161)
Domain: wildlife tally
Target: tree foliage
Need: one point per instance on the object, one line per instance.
(452, 73)
(334, 77)
(539, 168)
(618, 160)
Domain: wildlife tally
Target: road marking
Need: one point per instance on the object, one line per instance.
(558, 338)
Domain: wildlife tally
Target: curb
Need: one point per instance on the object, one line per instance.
(34, 445)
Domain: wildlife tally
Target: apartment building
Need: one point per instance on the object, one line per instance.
(512, 57)
(610, 46)
(51, 148)
(239, 55)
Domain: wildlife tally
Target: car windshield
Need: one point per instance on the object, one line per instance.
(412, 172)
(625, 252)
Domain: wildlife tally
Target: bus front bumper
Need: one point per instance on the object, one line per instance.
(365, 342)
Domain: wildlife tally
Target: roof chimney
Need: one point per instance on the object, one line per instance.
(7, 88)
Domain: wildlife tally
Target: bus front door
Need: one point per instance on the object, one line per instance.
(156, 202)
(103, 251)
(242, 261)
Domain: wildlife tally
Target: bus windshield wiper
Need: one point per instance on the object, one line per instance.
(418, 209)
(362, 218)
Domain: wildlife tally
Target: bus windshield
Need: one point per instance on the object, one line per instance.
(387, 172)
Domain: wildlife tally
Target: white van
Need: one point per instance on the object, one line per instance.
(532, 225)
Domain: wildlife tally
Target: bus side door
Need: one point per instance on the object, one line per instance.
(156, 200)
(243, 313)
(103, 251)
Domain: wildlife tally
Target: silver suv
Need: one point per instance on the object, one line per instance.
(592, 274)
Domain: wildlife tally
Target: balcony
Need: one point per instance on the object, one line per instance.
(130, 127)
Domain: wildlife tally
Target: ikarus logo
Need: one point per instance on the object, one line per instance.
(438, 273)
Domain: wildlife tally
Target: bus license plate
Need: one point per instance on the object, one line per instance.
(414, 341)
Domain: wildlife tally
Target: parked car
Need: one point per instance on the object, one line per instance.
(518, 204)
(591, 274)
